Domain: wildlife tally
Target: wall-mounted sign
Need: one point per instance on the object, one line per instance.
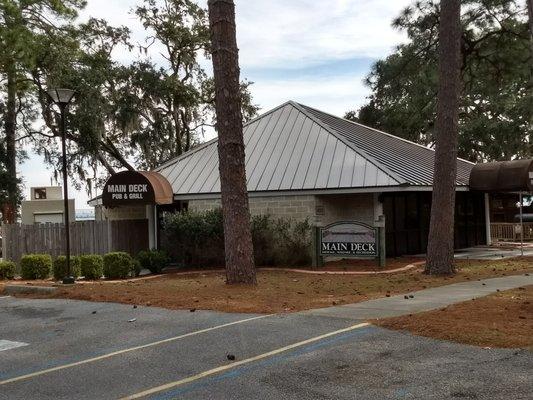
(349, 239)
(136, 187)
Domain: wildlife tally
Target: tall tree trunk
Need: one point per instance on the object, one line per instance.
(237, 232)
(441, 230)
(9, 208)
(530, 14)
(530, 88)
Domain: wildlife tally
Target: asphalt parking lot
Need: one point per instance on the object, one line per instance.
(80, 350)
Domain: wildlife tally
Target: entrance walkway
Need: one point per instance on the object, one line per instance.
(494, 253)
(424, 300)
(506, 250)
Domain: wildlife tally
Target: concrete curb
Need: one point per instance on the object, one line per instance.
(19, 289)
(14, 288)
(378, 272)
(301, 271)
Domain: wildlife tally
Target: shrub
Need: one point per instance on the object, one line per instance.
(136, 267)
(7, 270)
(92, 266)
(194, 238)
(35, 266)
(118, 265)
(154, 260)
(264, 239)
(197, 239)
(281, 241)
(294, 242)
(59, 267)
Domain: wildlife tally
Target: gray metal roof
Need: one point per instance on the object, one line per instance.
(295, 147)
(412, 162)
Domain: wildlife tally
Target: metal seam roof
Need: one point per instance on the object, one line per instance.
(413, 162)
(303, 108)
(294, 147)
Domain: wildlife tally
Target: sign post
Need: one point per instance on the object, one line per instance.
(521, 225)
(380, 224)
(353, 239)
(318, 261)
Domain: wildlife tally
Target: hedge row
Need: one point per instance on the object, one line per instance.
(115, 265)
(197, 239)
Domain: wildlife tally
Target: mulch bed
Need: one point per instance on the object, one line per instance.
(504, 319)
(277, 291)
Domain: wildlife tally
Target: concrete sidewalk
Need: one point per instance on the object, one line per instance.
(423, 300)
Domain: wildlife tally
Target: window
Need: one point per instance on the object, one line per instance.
(39, 193)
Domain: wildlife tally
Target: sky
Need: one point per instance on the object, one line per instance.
(314, 52)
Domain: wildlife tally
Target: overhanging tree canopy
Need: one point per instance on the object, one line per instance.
(496, 109)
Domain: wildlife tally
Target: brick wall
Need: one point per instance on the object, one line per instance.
(297, 207)
(358, 207)
(203, 205)
(331, 208)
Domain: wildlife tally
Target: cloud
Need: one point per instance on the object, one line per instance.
(335, 95)
(290, 33)
(298, 33)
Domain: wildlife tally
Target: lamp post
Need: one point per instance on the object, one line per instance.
(63, 97)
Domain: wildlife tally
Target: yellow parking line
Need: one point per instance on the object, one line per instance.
(116, 353)
(222, 368)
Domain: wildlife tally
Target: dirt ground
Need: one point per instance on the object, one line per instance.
(277, 291)
(501, 320)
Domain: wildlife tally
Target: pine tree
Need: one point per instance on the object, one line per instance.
(237, 232)
(441, 230)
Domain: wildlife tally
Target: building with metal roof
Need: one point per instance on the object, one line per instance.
(295, 148)
(306, 164)
(303, 163)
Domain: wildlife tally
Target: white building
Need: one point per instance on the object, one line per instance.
(46, 205)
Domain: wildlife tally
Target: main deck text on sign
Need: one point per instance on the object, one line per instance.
(127, 192)
(349, 239)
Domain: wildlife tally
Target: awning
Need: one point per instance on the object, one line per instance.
(136, 187)
(504, 176)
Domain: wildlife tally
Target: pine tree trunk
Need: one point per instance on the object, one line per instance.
(530, 88)
(441, 231)
(237, 233)
(9, 209)
(530, 14)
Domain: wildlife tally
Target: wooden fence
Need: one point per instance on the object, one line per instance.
(86, 237)
(510, 231)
